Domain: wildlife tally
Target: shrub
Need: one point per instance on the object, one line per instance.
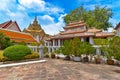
(101, 41)
(32, 56)
(16, 52)
(5, 41)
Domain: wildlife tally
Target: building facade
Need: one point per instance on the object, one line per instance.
(79, 30)
(12, 30)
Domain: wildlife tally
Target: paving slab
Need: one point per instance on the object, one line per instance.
(58, 69)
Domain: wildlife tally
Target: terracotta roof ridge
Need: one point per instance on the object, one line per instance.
(5, 24)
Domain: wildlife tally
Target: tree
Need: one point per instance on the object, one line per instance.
(4, 41)
(98, 17)
(75, 15)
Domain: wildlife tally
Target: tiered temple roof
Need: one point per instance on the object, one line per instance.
(18, 36)
(80, 29)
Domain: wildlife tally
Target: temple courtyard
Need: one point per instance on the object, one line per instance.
(58, 69)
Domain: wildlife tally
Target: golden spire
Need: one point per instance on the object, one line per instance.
(35, 20)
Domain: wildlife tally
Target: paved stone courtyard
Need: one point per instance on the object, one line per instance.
(58, 69)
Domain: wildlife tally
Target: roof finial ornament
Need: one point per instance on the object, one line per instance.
(35, 20)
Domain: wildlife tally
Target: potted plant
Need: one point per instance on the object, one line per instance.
(65, 50)
(97, 59)
(87, 50)
(108, 51)
(75, 49)
(116, 43)
(58, 51)
(53, 55)
(117, 57)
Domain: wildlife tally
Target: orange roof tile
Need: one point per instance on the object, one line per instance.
(94, 30)
(75, 24)
(72, 31)
(18, 36)
(84, 34)
(104, 34)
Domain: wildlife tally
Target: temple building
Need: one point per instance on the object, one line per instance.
(36, 31)
(12, 30)
(117, 28)
(10, 25)
(77, 29)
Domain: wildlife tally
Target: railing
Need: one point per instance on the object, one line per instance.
(38, 49)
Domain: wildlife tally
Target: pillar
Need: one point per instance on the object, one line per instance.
(53, 45)
(91, 40)
(59, 42)
(82, 39)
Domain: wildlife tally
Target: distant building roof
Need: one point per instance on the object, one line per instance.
(118, 25)
(8, 24)
(18, 36)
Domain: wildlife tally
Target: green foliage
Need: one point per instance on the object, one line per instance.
(75, 47)
(16, 52)
(35, 44)
(101, 41)
(65, 49)
(33, 55)
(98, 17)
(45, 50)
(5, 41)
(115, 46)
(75, 15)
(113, 49)
(58, 51)
(22, 43)
(86, 48)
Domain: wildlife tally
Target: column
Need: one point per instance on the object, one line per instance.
(59, 42)
(82, 39)
(53, 45)
(48, 46)
(91, 40)
(53, 42)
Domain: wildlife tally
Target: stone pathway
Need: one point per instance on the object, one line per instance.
(58, 69)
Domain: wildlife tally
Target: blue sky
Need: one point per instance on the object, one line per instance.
(50, 13)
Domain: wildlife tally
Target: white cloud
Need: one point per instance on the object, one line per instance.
(40, 6)
(55, 28)
(33, 3)
(46, 19)
(22, 12)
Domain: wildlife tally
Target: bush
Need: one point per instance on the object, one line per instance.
(101, 41)
(32, 56)
(16, 52)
